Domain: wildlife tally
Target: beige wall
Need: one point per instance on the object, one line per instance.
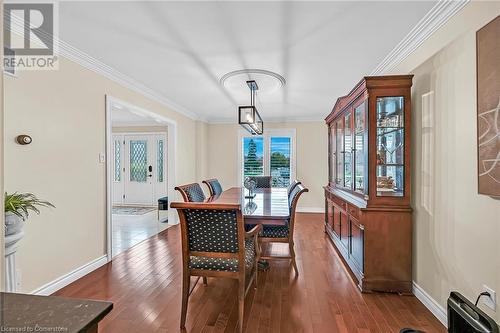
(456, 243)
(201, 151)
(64, 112)
(311, 156)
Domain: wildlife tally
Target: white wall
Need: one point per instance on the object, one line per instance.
(456, 239)
(64, 112)
(311, 157)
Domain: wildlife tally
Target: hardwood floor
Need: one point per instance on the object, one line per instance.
(144, 283)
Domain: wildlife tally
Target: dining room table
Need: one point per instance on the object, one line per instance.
(267, 206)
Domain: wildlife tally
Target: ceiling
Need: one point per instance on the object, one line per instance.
(181, 50)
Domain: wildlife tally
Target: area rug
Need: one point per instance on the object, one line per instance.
(128, 210)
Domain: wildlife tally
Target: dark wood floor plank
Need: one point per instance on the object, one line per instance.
(144, 283)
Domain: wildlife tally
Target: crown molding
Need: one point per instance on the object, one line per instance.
(85, 60)
(432, 21)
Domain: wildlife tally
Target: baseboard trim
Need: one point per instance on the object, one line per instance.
(63, 281)
(310, 209)
(430, 303)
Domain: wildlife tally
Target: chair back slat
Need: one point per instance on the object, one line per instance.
(191, 192)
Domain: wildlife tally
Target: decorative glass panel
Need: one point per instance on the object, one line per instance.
(340, 156)
(253, 157)
(390, 146)
(117, 151)
(347, 151)
(160, 161)
(333, 153)
(360, 183)
(280, 161)
(138, 161)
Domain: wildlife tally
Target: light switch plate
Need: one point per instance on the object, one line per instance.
(102, 158)
(491, 301)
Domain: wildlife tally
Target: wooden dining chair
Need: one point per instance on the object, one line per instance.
(214, 186)
(215, 244)
(284, 233)
(262, 181)
(191, 192)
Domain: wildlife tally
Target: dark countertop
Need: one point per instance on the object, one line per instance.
(30, 313)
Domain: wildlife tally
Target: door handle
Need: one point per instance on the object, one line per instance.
(150, 168)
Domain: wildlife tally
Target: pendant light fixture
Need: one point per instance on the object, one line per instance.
(248, 116)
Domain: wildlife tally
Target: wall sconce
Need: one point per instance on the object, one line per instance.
(24, 139)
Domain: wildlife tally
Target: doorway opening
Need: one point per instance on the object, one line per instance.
(140, 170)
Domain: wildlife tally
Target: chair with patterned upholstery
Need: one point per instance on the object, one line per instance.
(191, 192)
(290, 187)
(262, 181)
(284, 233)
(213, 186)
(215, 244)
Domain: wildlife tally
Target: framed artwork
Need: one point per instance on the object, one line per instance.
(488, 108)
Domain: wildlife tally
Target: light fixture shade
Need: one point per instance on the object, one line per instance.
(249, 118)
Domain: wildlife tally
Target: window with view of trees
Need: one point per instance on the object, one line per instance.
(253, 164)
(280, 161)
(268, 155)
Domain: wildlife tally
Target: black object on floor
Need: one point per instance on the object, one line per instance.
(409, 330)
(465, 317)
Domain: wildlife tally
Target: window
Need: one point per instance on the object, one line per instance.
(159, 160)
(138, 161)
(118, 159)
(269, 154)
(253, 162)
(280, 161)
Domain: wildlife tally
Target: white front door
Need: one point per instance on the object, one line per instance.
(139, 157)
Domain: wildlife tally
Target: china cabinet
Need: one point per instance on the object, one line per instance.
(367, 200)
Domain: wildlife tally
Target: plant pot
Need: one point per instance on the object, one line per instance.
(13, 224)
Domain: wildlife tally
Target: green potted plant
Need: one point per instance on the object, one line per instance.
(17, 209)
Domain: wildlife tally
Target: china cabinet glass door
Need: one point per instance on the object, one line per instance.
(339, 133)
(360, 172)
(390, 146)
(347, 151)
(333, 153)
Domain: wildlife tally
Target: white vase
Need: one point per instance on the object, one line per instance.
(13, 234)
(13, 224)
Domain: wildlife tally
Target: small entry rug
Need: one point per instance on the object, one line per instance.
(128, 210)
